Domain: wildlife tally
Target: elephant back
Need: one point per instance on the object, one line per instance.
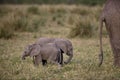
(43, 41)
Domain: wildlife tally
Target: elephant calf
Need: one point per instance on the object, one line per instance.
(48, 52)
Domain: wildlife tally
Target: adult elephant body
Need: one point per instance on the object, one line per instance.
(111, 17)
(63, 44)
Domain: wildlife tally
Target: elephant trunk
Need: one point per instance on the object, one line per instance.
(69, 59)
(101, 49)
(23, 56)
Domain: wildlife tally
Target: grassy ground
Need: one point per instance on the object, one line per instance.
(84, 65)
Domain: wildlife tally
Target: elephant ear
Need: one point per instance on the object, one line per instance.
(35, 50)
(61, 50)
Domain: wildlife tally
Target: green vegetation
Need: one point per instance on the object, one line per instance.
(83, 28)
(81, 21)
(22, 27)
(33, 10)
(17, 21)
(85, 2)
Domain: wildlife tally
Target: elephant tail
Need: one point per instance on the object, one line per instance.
(60, 57)
(101, 49)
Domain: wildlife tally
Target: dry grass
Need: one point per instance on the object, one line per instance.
(84, 65)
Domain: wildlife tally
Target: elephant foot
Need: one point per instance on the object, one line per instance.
(117, 58)
(60, 66)
(117, 62)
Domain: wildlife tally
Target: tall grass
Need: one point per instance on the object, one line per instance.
(83, 28)
(16, 21)
(6, 32)
(6, 27)
(4, 10)
(82, 19)
(12, 23)
(33, 10)
(21, 21)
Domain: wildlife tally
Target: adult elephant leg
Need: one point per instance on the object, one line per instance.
(116, 53)
(117, 57)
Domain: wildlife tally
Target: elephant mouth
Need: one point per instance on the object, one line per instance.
(68, 54)
(23, 58)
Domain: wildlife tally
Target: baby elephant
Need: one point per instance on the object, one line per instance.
(49, 52)
(63, 44)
